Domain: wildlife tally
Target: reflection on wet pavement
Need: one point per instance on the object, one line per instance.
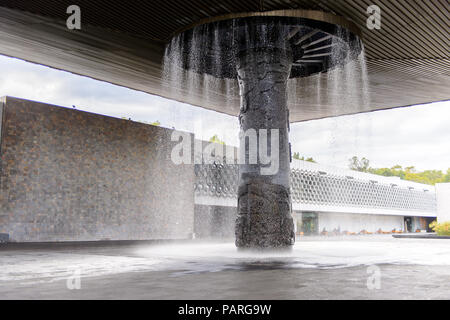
(55, 263)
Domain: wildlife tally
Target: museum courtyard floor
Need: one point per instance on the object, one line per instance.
(351, 267)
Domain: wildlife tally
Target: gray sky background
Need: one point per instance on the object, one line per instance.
(418, 135)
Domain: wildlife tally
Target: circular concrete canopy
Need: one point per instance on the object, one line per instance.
(123, 43)
(316, 42)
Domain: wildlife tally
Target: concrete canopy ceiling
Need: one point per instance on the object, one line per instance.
(408, 59)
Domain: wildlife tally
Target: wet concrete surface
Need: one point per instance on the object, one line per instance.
(317, 268)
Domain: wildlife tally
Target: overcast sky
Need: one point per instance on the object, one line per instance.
(418, 135)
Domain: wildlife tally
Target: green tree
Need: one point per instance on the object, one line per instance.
(215, 139)
(155, 123)
(297, 157)
(359, 165)
(447, 176)
(408, 173)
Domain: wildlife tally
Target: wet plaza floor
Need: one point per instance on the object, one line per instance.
(358, 267)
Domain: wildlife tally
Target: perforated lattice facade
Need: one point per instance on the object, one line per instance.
(314, 187)
(216, 180)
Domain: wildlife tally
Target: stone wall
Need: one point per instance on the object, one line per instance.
(72, 175)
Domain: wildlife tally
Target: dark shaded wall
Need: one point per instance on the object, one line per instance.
(72, 175)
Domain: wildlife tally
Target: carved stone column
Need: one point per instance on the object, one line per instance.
(264, 217)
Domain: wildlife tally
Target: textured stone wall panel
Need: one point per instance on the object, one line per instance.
(72, 175)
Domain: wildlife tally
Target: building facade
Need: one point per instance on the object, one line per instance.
(327, 199)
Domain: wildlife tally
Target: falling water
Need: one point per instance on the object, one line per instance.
(347, 94)
(341, 90)
(200, 68)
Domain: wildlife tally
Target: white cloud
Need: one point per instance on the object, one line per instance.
(417, 135)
